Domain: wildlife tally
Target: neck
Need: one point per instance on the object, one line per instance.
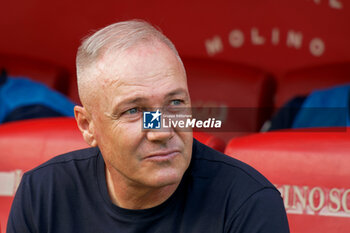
(125, 194)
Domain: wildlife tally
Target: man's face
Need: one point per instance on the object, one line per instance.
(143, 78)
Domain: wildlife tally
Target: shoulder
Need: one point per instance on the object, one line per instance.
(208, 162)
(232, 185)
(263, 211)
(55, 186)
(63, 165)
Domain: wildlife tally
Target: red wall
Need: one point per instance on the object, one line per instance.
(52, 30)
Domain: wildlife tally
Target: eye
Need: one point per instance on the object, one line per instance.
(176, 102)
(176, 106)
(132, 111)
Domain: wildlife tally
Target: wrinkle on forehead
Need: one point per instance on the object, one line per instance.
(133, 56)
(120, 80)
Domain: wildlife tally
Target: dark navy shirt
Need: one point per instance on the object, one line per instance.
(68, 194)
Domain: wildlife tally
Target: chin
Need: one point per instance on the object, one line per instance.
(165, 178)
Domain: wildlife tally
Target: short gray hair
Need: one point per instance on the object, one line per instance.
(116, 37)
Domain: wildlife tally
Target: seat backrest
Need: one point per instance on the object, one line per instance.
(210, 140)
(311, 170)
(301, 82)
(26, 144)
(53, 76)
(245, 92)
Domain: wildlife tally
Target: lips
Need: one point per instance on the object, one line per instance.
(162, 155)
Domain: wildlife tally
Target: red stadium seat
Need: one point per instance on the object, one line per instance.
(311, 170)
(303, 81)
(210, 140)
(26, 144)
(53, 76)
(246, 92)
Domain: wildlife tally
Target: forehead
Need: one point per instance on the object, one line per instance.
(146, 68)
(143, 59)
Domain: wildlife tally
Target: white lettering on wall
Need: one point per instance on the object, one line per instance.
(336, 4)
(256, 38)
(334, 195)
(9, 182)
(300, 196)
(286, 196)
(294, 39)
(320, 196)
(236, 38)
(345, 201)
(214, 45)
(317, 47)
(316, 200)
(275, 36)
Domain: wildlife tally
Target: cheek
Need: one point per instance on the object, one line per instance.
(187, 139)
(128, 133)
(125, 141)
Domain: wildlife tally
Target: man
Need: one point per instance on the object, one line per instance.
(135, 180)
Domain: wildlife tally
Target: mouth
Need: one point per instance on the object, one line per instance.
(161, 156)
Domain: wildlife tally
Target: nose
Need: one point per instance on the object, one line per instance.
(160, 136)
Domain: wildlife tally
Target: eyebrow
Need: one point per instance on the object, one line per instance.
(176, 92)
(130, 100)
(134, 100)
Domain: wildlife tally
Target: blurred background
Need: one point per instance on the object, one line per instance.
(250, 53)
(269, 59)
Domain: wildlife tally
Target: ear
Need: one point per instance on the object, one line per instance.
(85, 125)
